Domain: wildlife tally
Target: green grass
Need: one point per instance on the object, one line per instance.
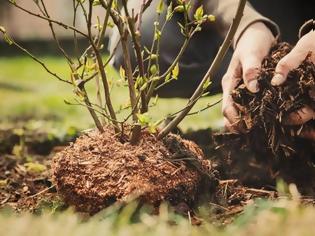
(28, 90)
(281, 217)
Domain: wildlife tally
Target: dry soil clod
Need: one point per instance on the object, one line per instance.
(98, 170)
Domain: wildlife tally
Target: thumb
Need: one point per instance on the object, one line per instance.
(288, 63)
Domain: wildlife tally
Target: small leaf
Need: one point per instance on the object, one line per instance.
(144, 86)
(167, 77)
(169, 14)
(35, 168)
(155, 100)
(139, 82)
(153, 69)
(96, 3)
(206, 84)
(175, 71)
(160, 6)
(152, 129)
(199, 13)
(122, 72)
(144, 119)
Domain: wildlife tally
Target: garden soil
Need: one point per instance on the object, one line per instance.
(100, 169)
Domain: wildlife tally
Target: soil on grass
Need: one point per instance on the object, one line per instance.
(99, 169)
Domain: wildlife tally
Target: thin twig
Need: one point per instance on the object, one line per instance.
(136, 39)
(38, 61)
(101, 69)
(41, 192)
(54, 33)
(213, 68)
(75, 38)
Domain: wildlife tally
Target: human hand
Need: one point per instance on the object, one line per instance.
(305, 47)
(251, 49)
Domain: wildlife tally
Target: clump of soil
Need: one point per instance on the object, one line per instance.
(98, 170)
(265, 112)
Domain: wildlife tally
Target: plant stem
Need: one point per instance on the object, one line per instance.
(213, 68)
(102, 70)
(136, 131)
(136, 39)
(92, 111)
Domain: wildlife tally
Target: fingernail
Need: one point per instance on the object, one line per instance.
(253, 86)
(277, 80)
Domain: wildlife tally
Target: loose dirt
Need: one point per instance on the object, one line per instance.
(98, 170)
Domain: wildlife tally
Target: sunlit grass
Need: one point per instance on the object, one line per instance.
(263, 217)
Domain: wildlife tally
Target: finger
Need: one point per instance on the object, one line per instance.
(300, 116)
(228, 126)
(229, 82)
(251, 68)
(289, 62)
(230, 112)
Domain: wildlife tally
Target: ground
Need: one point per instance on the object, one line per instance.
(33, 111)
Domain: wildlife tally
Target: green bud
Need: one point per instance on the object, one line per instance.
(179, 9)
(153, 56)
(153, 69)
(211, 18)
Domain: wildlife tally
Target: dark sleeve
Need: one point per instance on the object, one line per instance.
(225, 10)
(307, 27)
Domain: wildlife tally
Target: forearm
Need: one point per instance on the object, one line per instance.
(224, 10)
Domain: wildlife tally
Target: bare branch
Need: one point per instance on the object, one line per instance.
(136, 39)
(54, 33)
(213, 68)
(101, 69)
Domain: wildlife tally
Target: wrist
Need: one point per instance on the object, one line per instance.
(258, 29)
